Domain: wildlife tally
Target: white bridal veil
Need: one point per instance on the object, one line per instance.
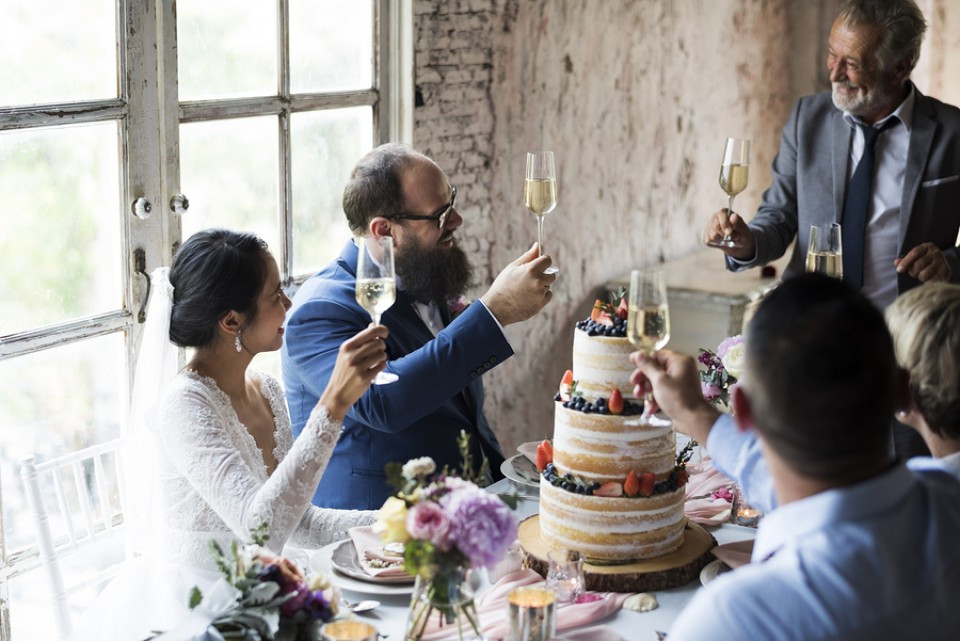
(157, 365)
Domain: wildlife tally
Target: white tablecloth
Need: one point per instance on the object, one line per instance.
(390, 617)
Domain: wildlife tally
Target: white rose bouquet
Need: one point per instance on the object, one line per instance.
(723, 369)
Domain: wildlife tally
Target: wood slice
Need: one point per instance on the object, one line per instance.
(668, 571)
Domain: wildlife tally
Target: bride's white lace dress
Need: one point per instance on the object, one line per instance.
(214, 484)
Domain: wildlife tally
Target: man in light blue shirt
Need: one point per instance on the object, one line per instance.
(859, 547)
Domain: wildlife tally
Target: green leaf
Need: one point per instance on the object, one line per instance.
(196, 597)
(260, 534)
(395, 476)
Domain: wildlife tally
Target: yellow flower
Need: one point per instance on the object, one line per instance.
(391, 522)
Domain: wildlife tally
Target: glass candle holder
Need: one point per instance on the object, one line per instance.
(565, 574)
(531, 614)
(349, 631)
(741, 512)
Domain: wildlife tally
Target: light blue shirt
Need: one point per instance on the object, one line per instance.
(876, 560)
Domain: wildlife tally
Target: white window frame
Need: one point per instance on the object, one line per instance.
(150, 117)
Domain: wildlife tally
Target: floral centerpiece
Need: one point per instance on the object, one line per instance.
(448, 525)
(263, 596)
(723, 370)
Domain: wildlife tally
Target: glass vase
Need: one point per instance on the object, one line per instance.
(443, 602)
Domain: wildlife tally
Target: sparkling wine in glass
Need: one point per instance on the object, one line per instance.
(825, 250)
(540, 192)
(648, 314)
(376, 284)
(734, 171)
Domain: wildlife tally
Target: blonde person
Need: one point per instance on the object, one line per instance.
(925, 323)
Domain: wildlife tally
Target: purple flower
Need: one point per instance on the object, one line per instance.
(727, 343)
(427, 521)
(710, 391)
(481, 525)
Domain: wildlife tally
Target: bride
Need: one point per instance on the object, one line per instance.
(224, 458)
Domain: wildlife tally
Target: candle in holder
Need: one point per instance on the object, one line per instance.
(531, 614)
(349, 631)
(741, 512)
(565, 574)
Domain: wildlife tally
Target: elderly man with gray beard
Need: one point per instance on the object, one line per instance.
(873, 154)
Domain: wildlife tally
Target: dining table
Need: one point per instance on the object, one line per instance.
(391, 615)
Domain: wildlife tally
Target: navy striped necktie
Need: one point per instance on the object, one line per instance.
(857, 205)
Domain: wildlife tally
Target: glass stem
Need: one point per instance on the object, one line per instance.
(376, 319)
(540, 235)
(730, 207)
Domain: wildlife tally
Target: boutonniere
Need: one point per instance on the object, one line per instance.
(457, 307)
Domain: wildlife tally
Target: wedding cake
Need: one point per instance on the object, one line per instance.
(611, 484)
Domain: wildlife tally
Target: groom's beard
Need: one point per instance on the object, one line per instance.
(434, 275)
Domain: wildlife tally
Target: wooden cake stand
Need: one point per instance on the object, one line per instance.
(677, 568)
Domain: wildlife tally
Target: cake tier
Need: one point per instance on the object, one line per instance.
(606, 447)
(612, 529)
(601, 364)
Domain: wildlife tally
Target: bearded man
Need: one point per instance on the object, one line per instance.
(873, 154)
(438, 350)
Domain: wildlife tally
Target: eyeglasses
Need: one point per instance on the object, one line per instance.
(440, 215)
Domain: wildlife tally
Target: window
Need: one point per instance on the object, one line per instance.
(126, 126)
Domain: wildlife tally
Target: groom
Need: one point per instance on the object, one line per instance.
(395, 191)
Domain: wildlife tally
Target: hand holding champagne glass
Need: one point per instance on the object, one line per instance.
(648, 314)
(825, 250)
(734, 171)
(540, 192)
(376, 284)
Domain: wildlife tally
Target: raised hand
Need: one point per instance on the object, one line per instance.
(359, 360)
(676, 388)
(724, 224)
(521, 290)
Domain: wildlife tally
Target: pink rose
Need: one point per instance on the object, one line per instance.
(710, 391)
(426, 521)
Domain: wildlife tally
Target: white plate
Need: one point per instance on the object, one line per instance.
(322, 561)
(712, 570)
(519, 469)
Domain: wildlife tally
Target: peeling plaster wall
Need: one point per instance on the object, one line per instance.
(635, 98)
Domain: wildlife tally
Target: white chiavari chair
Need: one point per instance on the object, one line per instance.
(86, 489)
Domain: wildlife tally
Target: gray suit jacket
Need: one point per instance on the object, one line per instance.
(810, 180)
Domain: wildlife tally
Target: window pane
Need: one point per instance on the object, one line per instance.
(326, 146)
(226, 48)
(45, 57)
(55, 402)
(59, 203)
(228, 170)
(331, 45)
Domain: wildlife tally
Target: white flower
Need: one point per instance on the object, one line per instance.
(733, 360)
(419, 467)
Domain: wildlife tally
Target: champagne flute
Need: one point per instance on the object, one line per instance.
(648, 315)
(540, 192)
(734, 171)
(376, 284)
(825, 250)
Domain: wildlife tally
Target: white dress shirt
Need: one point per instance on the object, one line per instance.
(883, 214)
(872, 561)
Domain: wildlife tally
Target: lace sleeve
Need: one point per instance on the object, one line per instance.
(322, 526)
(195, 432)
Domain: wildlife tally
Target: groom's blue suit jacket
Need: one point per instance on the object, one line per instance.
(439, 392)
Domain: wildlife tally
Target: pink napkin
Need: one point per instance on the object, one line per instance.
(529, 450)
(369, 546)
(734, 554)
(492, 611)
(701, 507)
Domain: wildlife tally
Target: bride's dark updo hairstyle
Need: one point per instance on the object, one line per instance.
(213, 272)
